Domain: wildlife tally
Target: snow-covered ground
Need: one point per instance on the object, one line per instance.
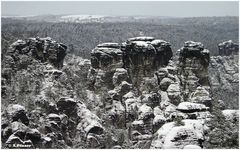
(81, 18)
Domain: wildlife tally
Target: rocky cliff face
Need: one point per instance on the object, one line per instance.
(193, 68)
(143, 56)
(151, 89)
(140, 56)
(41, 106)
(224, 79)
(131, 95)
(224, 74)
(43, 49)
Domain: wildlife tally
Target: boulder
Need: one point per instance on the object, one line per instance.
(165, 101)
(114, 95)
(170, 109)
(128, 95)
(5, 132)
(201, 95)
(67, 105)
(18, 126)
(231, 115)
(164, 84)
(145, 112)
(161, 73)
(173, 92)
(180, 136)
(14, 140)
(152, 99)
(172, 68)
(119, 76)
(142, 141)
(34, 135)
(46, 142)
(95, 141)
(148, 84)
(221, 104)
(123, 88)
(92, 142)
(22, 136)
(158, 121)
(137, 125)
(54, 117)
(132, 106)
(17, 112)
(170, 136)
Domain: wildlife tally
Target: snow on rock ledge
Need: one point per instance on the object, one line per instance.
(191, 107)
(175, 137)
(231, 115)
(106, 55)
(192, 147)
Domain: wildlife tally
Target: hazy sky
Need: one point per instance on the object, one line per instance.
(160, 8)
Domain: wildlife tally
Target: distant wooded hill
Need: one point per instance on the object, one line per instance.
(81, 38)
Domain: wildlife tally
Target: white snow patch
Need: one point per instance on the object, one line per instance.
(159, 118)
(141, 38)
(230, 114)
(53, 115)
(83, 16)
(156, 42)
(173, 87)
(108, 44)
(192, 147)
(137, 122)
(191, 106)
(141, 43)
(145, 109)
(168, 130)
(15, 108)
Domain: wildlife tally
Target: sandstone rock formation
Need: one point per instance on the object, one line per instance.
(193, 66)
(141, 56)
(153, 89)
(171, 136)
(130, 95)
(224, 80)
(52, 110)
(228, 47)
(144, 55)
(43, 49)
(107, 56)
(224, 72)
